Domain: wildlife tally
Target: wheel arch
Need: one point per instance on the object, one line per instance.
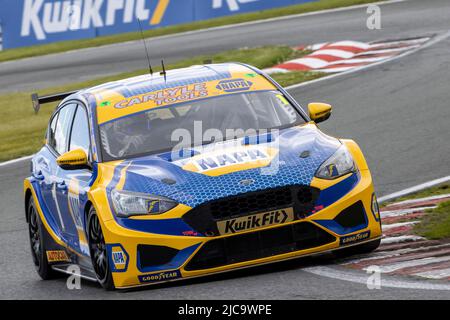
(87, 207)
(28, 196)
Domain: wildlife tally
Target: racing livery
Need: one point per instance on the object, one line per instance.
(198, 171)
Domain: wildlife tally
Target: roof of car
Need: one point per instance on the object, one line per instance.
(148, 83)
(128, 96)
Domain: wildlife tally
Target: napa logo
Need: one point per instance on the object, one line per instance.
(234, 85)
(118, 258)
(226, 161)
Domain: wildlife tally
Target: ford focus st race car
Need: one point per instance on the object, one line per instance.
(198, 171)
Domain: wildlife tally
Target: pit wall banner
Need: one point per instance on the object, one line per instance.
(34, 22)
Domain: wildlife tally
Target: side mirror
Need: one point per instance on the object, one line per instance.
(319, 112)
(73, 160)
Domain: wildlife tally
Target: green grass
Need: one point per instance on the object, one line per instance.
(25, 52)
(436, 223)
(22, 132)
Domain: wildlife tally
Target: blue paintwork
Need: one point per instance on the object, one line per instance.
(192, 189)
(337, 191)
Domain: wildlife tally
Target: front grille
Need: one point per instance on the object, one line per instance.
(151, 256)
(260, 244)
(204, 217)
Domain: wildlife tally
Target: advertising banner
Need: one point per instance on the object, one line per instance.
(34, 22)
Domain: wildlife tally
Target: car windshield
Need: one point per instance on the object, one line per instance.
(196, 123)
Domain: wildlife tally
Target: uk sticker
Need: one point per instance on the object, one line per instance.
(57, 256)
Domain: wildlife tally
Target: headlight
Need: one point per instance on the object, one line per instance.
(128, 203)
(340, 163)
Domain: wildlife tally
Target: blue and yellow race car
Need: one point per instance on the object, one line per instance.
(192, 172)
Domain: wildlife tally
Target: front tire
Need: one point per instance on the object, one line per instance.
(358, 249)
(99, 254)
(37, 244)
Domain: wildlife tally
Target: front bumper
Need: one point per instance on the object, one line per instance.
(140, 258)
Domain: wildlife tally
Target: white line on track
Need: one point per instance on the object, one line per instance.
(411, 263)
(400, 239)
(385, 281)
(6, 163)
(333, 52)
(398, 225)
(435, 274)
(403, 212)
(390, 254)
(412, 201)
(419, 187)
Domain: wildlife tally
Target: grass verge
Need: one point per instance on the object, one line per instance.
(22, 132)
(63, 46)
(434, 191)
(436, 223)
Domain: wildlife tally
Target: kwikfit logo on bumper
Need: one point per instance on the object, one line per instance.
(256, 221)
(43, 18)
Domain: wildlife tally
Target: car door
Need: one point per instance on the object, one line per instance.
(47, 170)
(73, 185)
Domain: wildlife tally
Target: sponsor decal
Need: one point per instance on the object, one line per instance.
(57, 256)
(43, 18)
(233, 5)
(375, 208)
(254, 221)
(190, 233)
(153, 206)
(355, 238)
(332, 170)
(317, 208)
(118, 258)
(227, 159)
(162, 276)
(167, 96)
(234, 85)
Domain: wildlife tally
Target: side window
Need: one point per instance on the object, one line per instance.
(79, 138)
(63, 126)
(52, 131)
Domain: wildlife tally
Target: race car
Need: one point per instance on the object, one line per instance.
(192, 172)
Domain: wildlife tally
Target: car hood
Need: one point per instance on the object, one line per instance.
(289, 157)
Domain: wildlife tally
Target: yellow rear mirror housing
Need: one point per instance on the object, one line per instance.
(73, 160)
(319, 112)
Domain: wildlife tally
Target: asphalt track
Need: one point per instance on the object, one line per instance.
(398, 112)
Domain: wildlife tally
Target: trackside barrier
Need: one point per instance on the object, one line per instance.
(1, 37)
(34, 22)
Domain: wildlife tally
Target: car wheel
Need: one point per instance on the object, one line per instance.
(38, 250)
(99, 255)
(358, 249)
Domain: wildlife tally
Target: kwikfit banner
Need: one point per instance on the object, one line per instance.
(33, 22)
